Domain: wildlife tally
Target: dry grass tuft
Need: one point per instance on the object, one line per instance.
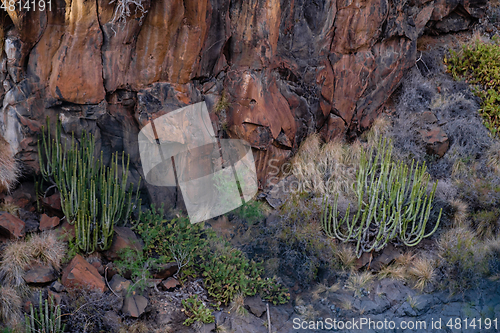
(405, 259)
(46, 248)
(10, 306)
(357, 282)
(9, 168)
(379, 128)
(238, 305)
(17, 256)
(461, 212)
(326, 168)
(15, 259)
(137, 327)
(395, 272)
(9, 208)
(493, 157)
(422, 272)
(347, 257)
(463, 258)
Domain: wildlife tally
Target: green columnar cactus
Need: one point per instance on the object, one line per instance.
(93, 197)
(392, 204)
(47, 318)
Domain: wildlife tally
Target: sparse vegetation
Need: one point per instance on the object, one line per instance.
(359, 283)
(464, 259)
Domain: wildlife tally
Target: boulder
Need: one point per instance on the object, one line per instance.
(123, 238)
(48, 223)
(255, 305)
(11, 226)
(80, 274)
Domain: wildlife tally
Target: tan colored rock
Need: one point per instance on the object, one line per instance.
(80, 274)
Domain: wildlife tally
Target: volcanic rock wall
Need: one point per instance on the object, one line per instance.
(286, 67)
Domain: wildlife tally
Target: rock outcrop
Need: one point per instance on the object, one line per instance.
(286, 68)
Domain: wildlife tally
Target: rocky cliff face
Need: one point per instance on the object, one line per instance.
(286, 67)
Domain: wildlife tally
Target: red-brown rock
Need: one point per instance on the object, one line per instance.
(436, 141)
(11, 226)
(48, 223)
(165, 270)
(123, 238)
(81, 274)
(169, 284)
(40, 274)
(53, 201)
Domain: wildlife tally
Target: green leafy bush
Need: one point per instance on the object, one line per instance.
(479, 64)
(392, 203)
(196, 311)
(138, 266)
(227, 271)
(93, 197)
(162, 236)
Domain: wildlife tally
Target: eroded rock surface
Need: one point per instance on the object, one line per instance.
(286, 68)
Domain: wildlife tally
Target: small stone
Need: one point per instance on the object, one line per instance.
(48, 223)
(123, 238)
(11, 226)
(436, 141)
(57, 287)
(134, 305)
(164, 271)
(169, 284)
(40, 274)
(80, 273)
(255, 305)
(119, 284)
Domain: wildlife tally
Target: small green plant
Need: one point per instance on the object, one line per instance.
(196, 311)
(392, 203)
(139, 267)
(175, 240)
(250, 211)
(222, 103)
(45, 319)
(479, 65)
(93, 197)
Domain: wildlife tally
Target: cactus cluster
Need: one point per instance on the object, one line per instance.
(46, 319)
(392, 203)
(93, 197)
